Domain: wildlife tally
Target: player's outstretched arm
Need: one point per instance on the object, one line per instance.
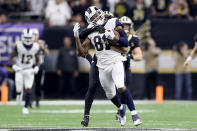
(81, 48)
(137, 54)
(136, 50)
(192, 54)
(84, 33)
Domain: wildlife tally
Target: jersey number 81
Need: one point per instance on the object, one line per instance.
(98, 43)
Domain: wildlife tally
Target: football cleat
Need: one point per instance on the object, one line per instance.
(85, 121)
(25, 111)
(122, 115)
(136, 120)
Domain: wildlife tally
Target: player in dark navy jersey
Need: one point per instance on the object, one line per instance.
(134, 50)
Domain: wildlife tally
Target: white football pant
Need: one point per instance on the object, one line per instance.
(111, 77)
(24, 78)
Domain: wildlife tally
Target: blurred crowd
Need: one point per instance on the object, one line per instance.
(183, 78)
(63, 12)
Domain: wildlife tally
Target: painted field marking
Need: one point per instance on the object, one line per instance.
(101, 102)
(81, 111)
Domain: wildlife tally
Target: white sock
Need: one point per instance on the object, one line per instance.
(134, 112)
(121, 107)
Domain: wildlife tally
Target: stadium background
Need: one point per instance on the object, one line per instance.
(167, 31)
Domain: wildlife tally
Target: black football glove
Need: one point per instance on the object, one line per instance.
(84, 33)
(100, 28)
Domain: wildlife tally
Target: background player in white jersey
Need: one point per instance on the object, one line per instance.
(39, 77)
(110, 60)
(27, 53)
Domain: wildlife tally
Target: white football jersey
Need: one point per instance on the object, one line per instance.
(105, 56)
(26, 57)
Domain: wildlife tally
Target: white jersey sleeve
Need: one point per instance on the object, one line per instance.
(112, 24)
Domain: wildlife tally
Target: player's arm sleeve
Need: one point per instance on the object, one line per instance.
(123, 40)
(135, 43)
(84, 33)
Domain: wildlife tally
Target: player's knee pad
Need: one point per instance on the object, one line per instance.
(110, 95)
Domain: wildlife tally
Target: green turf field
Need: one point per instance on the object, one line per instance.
(170, 114)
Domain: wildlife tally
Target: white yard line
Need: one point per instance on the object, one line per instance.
(101, 102)
(38, 128)
(81, 111)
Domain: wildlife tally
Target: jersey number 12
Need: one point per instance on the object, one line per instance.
(26, 59)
